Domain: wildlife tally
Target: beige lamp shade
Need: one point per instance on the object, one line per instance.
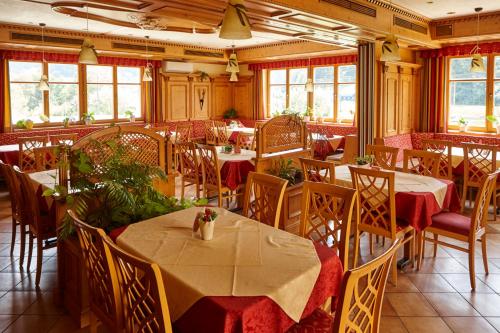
(232, 64)
(234, 77)
(309, 85)
(390, 49)
(235, 24)
(477, 64)
(43, 85)
(88, 55)
(148, 75)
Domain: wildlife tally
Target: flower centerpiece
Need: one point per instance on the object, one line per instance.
(463, 124)
(364, 160)
(228, 149)
(205, 221)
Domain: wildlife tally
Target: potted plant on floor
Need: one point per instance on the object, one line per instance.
(495, 121)
(463, 123)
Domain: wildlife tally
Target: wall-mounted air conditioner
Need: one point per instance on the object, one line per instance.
(177, 67)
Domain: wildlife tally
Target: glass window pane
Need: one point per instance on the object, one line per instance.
(25, 71)
(347, 74)
(277, 99)
(323, 100)
(128, 74)
(460, 69)
(468, 100)
(298, 76)
(346, 102)
(129, 99)
(99, 74)
(277, 76)
(63, 102)
(26, 102)
(323, 74)
(100, 100)
(497, 67)
(63, 73)
(298, 99)
(497, 99)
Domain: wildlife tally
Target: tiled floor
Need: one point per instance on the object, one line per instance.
(436, 299)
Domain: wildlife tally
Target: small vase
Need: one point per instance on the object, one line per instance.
(207, 230)
(307, 118)
(132, 119)
(463, 128)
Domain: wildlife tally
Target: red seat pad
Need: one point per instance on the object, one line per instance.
(318, 322)
(452, 222)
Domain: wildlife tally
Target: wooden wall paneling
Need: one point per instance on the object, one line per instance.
(390, 119)
(406, 102)
(178, 98)
(243, 97)
(222, 97)
(201, 95)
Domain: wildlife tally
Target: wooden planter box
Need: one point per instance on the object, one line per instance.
(291, 209)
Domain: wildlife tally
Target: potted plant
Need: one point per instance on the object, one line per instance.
(88, 118)
(20, 124)
(130, 115)
(205, 222)
(363, 161)
(319, 119)
(66, 122)
(463, 124)
(28, 124)
(228, 149)
(496, 122)
(44, 118)
(230, 114)
(308, 114)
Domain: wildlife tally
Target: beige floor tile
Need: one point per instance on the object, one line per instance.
(410, 304)
(16, 302)
(6, 320)
(429, 283)
(387, 309)
(468, 325)
(9, 280)
(44, 305)
(485, 304)
(404, 285)
(492, 280)
(48, 282)
(461, 283)
(478, 264)
(32, 324)
(425, 325)
(450, 304)
(494, 321)
(442, 265)
(392, 325)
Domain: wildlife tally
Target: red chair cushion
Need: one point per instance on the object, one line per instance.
(318, 322)
(452, 222)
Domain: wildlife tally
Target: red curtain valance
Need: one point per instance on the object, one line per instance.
(324, 61)
(73, 58)
(464, 49)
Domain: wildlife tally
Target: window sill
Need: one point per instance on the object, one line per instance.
(472, 133)
(75, 126)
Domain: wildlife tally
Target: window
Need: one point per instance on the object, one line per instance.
(467, 94)
(287, 90)
(496, 88)
(113, 92)
(334, 96)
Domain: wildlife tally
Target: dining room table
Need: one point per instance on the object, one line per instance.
(9, 154)
(232, 132)
(457, 160)
(234, 167)
(326, 145)
(250, 277)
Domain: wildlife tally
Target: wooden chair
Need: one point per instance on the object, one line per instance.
(40, 225)
(16, 202)
(104, 293)
(211, 175)
(360, 301)
(145, 307)
(479, 160)
(190, 168)
(26, 151)
(350, 151)
(210, 133)
(383, 156)
(424, 163)
(465, 229)
(377, 204)
(327, 212)
(245, 141)
(267, 192)
(63, 139)
(47, 158)
(442, 147)
(183, 133)
(318, 171)
(221, 130)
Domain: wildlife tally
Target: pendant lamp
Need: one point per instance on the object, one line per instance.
(234, 77)
(235, 24)
(477, 63)
(148, 75)
(390, 47)
(88, 55)
(233, 67)
(43, 85)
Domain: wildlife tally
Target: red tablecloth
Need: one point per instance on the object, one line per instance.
(417, 208)
(234, 173)
(10, 157)
(322, 148)
(233, 137)
(252, 314)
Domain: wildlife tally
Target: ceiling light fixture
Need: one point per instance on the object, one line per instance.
(148, 75)
(88, 55)
(235, 24)
(477, 63)
(390, 47)
(309, 84)
(233, 67)
(43, 85)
